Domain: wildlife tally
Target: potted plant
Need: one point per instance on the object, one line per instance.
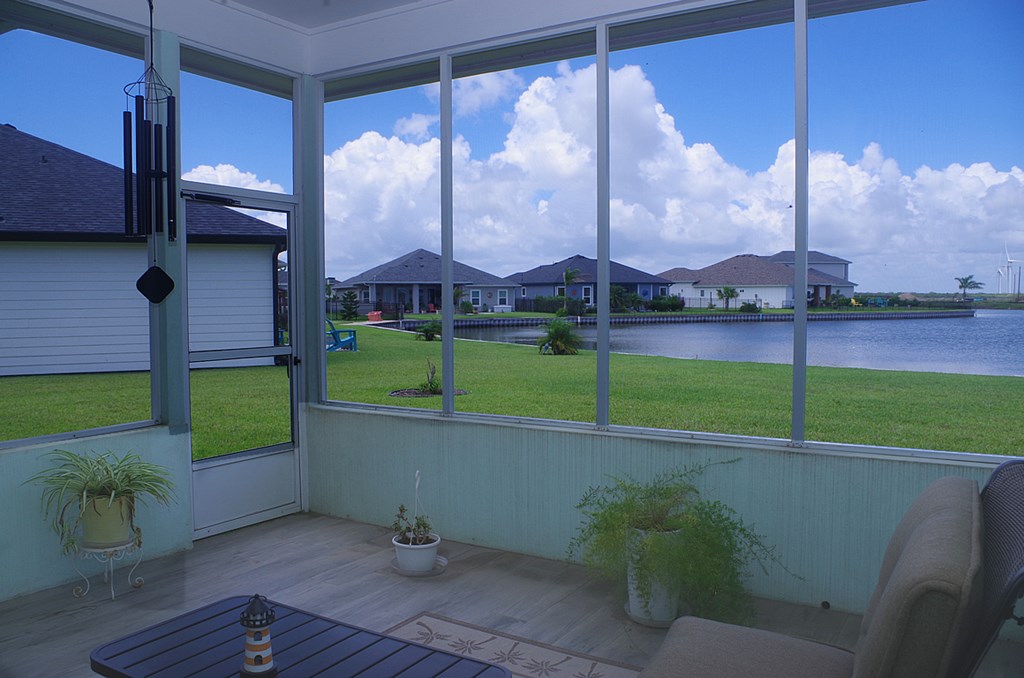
(92, 497)
(666, 544)
(415, 542)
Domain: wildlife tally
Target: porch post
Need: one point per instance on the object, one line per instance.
(603, 228)
(447, 243)
(308, 243)
(168, 336)
(800, 218)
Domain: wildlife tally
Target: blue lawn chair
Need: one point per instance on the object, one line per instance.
(339, 340)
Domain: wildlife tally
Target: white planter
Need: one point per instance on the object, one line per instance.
(662, 608)
(416, 559)
(660, 611)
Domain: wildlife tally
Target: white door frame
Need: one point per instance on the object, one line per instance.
(250, 486)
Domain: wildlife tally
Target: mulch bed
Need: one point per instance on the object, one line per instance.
(416, 393)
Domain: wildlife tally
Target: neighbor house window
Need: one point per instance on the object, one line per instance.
(560, 291)
(474, 297)
(522, 291)
(503, 297)
(588, 295)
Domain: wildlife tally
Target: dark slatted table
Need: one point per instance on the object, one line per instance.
(210, 642)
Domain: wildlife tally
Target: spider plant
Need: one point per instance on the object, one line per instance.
(76, 483)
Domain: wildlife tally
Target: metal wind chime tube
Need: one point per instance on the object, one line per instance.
(154, 154)
(129, 189)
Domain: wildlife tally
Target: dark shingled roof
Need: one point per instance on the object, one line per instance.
(551, 274)
(813, 257)
(751, 269)
(49, 192)
(680, 274)
(421, 266)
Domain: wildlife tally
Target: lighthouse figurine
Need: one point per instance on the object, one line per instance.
(259, 659)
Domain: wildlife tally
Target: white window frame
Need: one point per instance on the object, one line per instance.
(503, 297)
(588, 295)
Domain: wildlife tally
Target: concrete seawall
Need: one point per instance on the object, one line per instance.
(652, 319)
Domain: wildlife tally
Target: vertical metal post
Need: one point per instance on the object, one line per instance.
(800, 220)
(447, 240)
(603, 228)
(169, 320)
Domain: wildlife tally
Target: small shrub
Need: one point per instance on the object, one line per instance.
(749, 307)
(428, 331)
(349, 305)
(415, 531)
(666, 304)
(466, 307)
(433, 384)
(560, 338)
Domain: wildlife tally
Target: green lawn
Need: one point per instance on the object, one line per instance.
(248, 407)
(904, 409)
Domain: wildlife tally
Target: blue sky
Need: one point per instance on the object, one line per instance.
(937, 84)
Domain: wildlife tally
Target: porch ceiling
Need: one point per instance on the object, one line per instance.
(329, 38)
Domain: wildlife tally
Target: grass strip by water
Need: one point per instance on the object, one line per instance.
(242, 408)
(955, 412)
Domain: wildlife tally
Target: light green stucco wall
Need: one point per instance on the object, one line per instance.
(30, 557)
(830, 511)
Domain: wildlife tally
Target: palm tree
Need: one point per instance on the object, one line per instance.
(617, 297)
(560, 338)
(569, 276)
(969, 283)
(727, 293)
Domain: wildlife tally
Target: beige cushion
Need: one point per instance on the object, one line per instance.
(700, 648)
(928, 585)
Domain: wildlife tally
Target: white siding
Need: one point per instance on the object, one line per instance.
(73, 307)
(836, 269)
(231, 297)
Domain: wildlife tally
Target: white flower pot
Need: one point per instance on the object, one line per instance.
(660, 611)
(663, 607)
(413, 558)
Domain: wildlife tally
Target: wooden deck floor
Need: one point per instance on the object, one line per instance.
(341, 569)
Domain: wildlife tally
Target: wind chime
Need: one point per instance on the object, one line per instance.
(154, 159)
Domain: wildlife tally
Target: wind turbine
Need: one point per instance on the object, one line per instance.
(999, 284)
(1009, 269)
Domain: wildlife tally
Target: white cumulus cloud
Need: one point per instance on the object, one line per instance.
(673, 204)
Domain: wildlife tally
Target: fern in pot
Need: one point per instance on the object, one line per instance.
(92, 497)
(670, 548)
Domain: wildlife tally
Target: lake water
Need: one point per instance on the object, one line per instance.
(990, 343)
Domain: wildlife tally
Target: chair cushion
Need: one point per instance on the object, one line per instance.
(928, 585)
(700, 648)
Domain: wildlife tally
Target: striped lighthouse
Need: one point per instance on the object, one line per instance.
(259, 659)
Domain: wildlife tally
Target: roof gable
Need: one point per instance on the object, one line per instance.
(680, 274)
(751, 269)
(552, 274)
(49, 192)
(813, 257)
(422, 266)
